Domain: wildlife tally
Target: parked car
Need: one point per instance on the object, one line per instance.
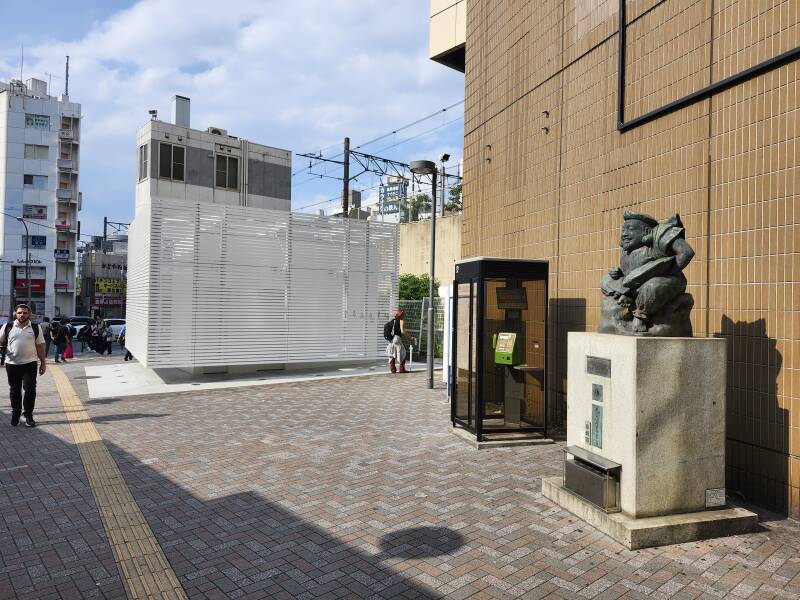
(115, 325)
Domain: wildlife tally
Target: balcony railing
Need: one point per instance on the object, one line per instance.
(62, 224)
(64, 194)
(65, 164)
(61, 254)
(66, 134)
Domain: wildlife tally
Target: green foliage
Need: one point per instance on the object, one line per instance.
(415, 287)
(412, 208)
(454, 200)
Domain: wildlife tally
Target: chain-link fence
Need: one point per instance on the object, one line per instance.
(416, 326)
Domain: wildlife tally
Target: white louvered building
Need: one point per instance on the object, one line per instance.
(225, 276)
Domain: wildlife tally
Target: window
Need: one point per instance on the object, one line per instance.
(35, 241)
(34, 211)
(36, 182)
(35, 152)
(143, 162)
(227, 172)
(171, 161)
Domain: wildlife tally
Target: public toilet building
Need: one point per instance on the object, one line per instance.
(222, 276)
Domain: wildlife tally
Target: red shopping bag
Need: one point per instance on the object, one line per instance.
(68, 351)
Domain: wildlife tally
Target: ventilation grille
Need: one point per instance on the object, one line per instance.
(213, 285)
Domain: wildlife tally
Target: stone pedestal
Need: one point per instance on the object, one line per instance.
(656, 406)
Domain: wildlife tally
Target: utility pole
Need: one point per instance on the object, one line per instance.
(442, 197)
(427, 167)
(27, 260)
(346, 179)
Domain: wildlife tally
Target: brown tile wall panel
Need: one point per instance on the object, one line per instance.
(747, 32)
(587, 23)
(667, 54)
(547, 175)
(754, 278)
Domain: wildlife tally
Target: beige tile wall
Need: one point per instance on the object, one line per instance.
(547, 175)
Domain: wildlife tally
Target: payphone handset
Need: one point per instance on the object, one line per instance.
(507, 351)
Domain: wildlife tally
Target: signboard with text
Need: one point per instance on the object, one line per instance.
(109, 299)
(34, 211)
(114, 286)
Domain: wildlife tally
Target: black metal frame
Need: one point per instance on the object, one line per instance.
(477, 272)
(701, 94)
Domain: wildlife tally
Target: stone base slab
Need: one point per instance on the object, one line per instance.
(648, 532)
(506, 441)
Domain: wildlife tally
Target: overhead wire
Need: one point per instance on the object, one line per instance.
(382, 136)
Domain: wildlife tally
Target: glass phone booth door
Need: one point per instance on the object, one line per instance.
(499, 347)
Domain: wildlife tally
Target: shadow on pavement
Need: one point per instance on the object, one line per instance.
(219, 547)
(106, 418)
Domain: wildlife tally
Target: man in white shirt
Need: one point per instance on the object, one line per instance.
(21, 344)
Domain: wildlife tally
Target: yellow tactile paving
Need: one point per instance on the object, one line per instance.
(144, 569)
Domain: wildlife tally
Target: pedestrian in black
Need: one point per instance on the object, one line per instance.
(47, 333)
(108, 340)
(21, 347)
(84, 336)
(61, 339)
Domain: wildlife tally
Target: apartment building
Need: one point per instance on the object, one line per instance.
(578, 111)
(39, 166)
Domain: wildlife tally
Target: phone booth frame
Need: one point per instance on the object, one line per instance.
(476, 275)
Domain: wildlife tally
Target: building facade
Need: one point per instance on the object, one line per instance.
(577, 111)
(103, 277)
(39, 165)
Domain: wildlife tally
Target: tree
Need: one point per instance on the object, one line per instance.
(420, 202)
(410, 209)
(415, 287)
(454, 201)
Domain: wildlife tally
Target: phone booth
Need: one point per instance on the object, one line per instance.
(499, 348)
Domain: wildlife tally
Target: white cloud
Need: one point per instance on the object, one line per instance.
(299, 74)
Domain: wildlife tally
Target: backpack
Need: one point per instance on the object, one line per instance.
(4, 343)
(388, 331)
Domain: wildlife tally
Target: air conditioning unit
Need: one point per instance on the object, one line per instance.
(217, 131)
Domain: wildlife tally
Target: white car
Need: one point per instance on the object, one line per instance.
(115, 325)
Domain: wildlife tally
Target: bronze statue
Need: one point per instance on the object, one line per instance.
(645, 294)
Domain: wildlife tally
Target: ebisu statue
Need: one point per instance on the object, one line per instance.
(645, 295)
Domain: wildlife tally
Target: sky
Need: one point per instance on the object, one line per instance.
(295, 74)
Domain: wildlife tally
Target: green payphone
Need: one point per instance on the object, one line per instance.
(506, 349)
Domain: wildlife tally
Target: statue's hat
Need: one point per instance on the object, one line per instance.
(650, 221)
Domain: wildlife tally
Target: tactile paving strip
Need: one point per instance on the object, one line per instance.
(144, 569)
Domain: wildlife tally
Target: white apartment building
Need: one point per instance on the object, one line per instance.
(39, 163)
(222, 276)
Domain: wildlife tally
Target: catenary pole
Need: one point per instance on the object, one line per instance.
(346, 178)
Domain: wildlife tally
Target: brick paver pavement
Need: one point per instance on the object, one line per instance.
(52, 543)
(341, 489)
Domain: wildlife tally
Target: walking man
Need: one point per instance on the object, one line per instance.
(47, 333)
(61, 339)
(21, 345)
